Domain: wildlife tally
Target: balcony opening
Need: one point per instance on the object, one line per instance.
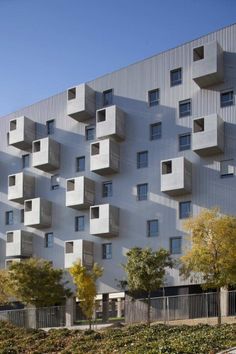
(198, 53)
(71, 93)
(12, 181)
(70, 185)
(8, 263)
(95, 149)
(28, 205)
(13, 125)
(198, 125)
(69, 247)
(101, 116)
(9, 237)
(166, 167)
(95, 213)
(36, 146)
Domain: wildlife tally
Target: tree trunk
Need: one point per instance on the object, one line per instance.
(90, 324)
(218, 306)
(149, 309)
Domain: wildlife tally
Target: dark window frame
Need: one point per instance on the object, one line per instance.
(78, 227)
(184, 215)
(109, 101)
(186, 113)
(107, 193)
(149, 233)
(171, 246)
(142, 164)
(177, 81)
(80, 158)
(107, 250)
(156, 101)
(143, 196)
(186, 146)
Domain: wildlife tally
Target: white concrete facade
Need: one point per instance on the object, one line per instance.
(116, 161)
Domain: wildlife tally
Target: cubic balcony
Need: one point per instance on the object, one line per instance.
(176, 176)
(46, 154)
(38, 213)
(110, 123)
(20, 187)
(208, 135)
(21, 133)
(104, 220)
(79, 249)
(104, 157)
(9, 261)
(81, 102)
(19, 244)
(208, 65)
(80, 192)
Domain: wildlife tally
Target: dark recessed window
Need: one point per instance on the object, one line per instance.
(90, 133)
(25, 160)
(142, 191)
(9, 217)
(22, 215)
(184, 142)
(49, 240)
(185, 108)
(142, 159)
(175, 245)
(155, 131)
(107, 97)
(153, 97)
(80, 163)
(79, 223)
(227, 168)
(152, 228)
(69, 247)
(50, 124)
(184, 210)
(176, 77)
(198, 53)
(198, 125)
(55, 182)
(107, 251)
(107, 189)
(10, 237)
(227, 98)
(166, 167)
(71, 93)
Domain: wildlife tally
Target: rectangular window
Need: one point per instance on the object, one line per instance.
(142, 159)
(185, 108)
(166, 167)
(50, 126)
(107, 97)
(94, 212)
(106, 251)
(198, 125)
(69, 247)
(142, 191)
(80, 163)
(152, 228)
(90, 132)
(49, 240)
(176, 77)
(71, 93)
(25, 160)
(9, 217)
(107, 189)
(184, 142)
(175, 245)
(155, 131)
(184, 210)
(227, 98)
(79, 223)
(153, 97)
(10, 237)
(198, 53)
(55, 182)
(22, 215)
(227, 168)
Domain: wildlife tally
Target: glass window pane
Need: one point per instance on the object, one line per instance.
(184, 142)
(184, 209)
(142, 159)
(142, 191)
(90, 133)
(175, 245)
(152, 228)
(107, 189)
(80, 163)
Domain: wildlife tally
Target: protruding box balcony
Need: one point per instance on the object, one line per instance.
(80, 192)
(19, 244)
(9, 261)
(46, 154)
(21, 133)
(104, 220)
(20, 187)
(38, 213)
(105, 157)
(110, 122)
(208, 65)
(81, 102)
(176, 176)
(79, 249)
(208, 135)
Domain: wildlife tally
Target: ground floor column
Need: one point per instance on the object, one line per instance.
(224, 302)
(70, 311)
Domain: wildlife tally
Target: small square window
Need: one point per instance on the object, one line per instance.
(69, 247)
(227, 168)
(166, 167)
(50, 124)
(71, 93)
(80, 163)
(25, 160)
(142, 159)
(198, 53)
(49, 240)
(152, 228)
(28, 205)
(12, 181)
(101, 115)
(9, 217)
(36, 146)
(107, 189)
(90, 132)
(185, 108)
(142, 191)
(227, 98)
(184, 142)
(79, 223)
(176, 77)
(70, 185)
(95, 148)
(106, 251)
(153, 97)
(13, 124)
(155, 131)
(10, 237)
(22, 215)
(184, 210)
(107, 97)
(55, 182)
(95, 213)
(175, 245)
(198, 125)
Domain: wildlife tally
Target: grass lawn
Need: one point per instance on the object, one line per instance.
(138, 339)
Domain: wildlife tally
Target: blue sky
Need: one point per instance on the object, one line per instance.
(49, 45)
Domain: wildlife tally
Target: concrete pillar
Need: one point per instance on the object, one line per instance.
(119, 307)
(31, 317)
(105, 307)
(224, 302)
(70, 311)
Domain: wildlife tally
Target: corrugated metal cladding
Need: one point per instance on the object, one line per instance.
(130, 93)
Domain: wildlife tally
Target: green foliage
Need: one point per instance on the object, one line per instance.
(37, 283)
(5, 290)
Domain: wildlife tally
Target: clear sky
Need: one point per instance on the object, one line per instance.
(49, 45)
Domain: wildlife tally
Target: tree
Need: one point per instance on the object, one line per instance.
(37, 283)
(4, 287)
(212, 255)
(85, 281)
(146, 271)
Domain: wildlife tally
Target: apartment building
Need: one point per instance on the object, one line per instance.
(122, 161)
